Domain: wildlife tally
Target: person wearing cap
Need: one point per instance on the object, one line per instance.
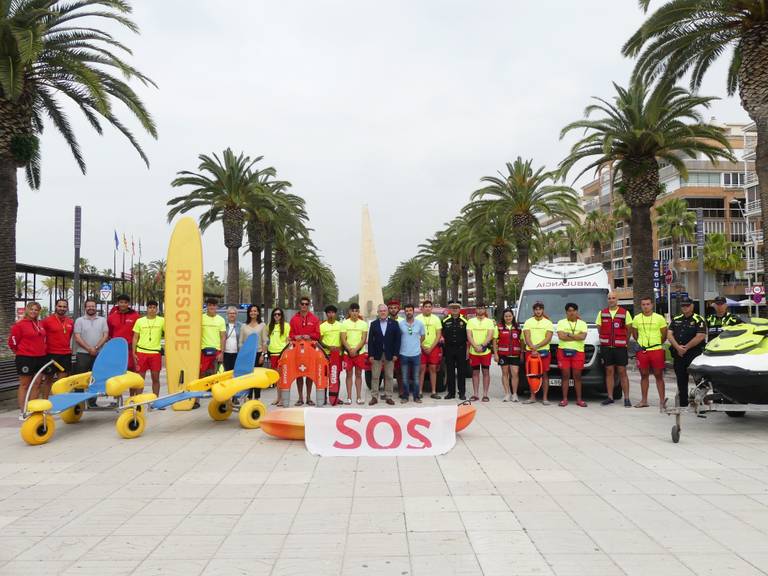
(720, 319)
(537, 333)
(455, 351)
(479, 335)
(687, 334)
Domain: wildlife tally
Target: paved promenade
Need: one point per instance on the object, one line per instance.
(528, 490)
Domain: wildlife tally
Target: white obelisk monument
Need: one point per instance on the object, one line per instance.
(370, 295)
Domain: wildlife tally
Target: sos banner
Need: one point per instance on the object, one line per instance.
(393, 432)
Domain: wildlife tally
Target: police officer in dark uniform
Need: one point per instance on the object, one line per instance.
(455, 351)
(687, 334)
(720, 319)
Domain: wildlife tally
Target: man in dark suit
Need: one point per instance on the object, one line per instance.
(383, 346)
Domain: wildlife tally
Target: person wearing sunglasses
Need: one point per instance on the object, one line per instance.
(305, 326)
(278, 333)
(687, 335)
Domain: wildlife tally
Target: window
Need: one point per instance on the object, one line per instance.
(733, 179)
(705, 179)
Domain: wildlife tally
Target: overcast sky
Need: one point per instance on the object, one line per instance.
(402, 105)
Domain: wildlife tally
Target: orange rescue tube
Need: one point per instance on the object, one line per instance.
(288, 423)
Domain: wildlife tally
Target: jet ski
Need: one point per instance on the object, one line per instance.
(736, 363)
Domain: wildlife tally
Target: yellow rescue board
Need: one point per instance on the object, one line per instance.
(183, 307)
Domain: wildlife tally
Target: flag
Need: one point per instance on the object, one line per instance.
(125, 242)
(117, 241)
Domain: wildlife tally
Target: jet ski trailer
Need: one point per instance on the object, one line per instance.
(731, 375)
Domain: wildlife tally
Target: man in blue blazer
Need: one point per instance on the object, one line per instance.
(383, 346)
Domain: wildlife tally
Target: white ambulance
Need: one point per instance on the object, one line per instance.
(557, 284)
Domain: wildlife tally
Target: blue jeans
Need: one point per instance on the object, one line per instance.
(410, 384)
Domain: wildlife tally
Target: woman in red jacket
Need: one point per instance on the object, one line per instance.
(27, 340)
(506, 351)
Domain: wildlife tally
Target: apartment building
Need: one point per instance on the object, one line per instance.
(718, 189)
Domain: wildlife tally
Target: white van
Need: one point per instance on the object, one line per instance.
(557, 284)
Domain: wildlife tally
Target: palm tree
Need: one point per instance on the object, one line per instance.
(223, 187)
(436, 251)
(550, 245)
(474, 244)
(52, 49)
(638, 129)
(596, 231)
(407, 280)
(523, 196)
(501, 236)
(290, 215)
(675, 221)
(722, 256)
(689, 35)
(212, 284)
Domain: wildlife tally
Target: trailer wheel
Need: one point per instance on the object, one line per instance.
(675, 434)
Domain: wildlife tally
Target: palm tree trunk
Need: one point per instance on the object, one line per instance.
(455, 275)
(269, 295)
(317, 298)
(233, 276)
(442, 268)
(500, 274)
(752, 80)
(464, 283)
(256, 292)
(281, 288)
(642, 254)
(523, 256)
(479, 285)
(9, 206)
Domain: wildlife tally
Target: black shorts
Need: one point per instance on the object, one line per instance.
(29, 365)
(64, 360)
(614, 356)
(509, 360)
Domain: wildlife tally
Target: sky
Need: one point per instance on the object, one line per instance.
(401, 105)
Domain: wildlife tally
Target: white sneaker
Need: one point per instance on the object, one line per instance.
(515, 398)
(348, 401)
(506, 398)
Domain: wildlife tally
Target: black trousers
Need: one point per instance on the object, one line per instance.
(455, 362)
(681, 373)
(229, 360)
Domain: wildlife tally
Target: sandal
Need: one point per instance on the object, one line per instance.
(348, 401)
(581, 404)
(299, 403)
(275, 403)
(642, 405)
(485, 398)
(473, 398)
(310, 403)
(563, 403)
(360, 401)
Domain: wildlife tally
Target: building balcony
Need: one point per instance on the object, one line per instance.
(753, 208)
(755, 266)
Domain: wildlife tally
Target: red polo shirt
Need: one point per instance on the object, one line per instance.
(120, 324)
(307, 325)
(58, 333)
(27, 338)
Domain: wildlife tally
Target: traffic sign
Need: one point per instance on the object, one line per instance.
(668, 277)
(758, 289)
(105, 292)
(757, 298)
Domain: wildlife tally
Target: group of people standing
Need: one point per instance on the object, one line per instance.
(407, 350)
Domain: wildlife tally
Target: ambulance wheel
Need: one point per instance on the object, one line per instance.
(130, 425)
(73, 414)
(737, 413)
(675, 434)
(38, 429)
(220, 410)
(251, 413)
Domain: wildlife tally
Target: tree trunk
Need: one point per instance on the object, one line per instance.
(464, 284)
(256, 247)
(455, 275)
(642, 254)
(269, 294)
(233, 276)
(500, 274)
(9, 206)
(523, 263)
(317, 298)
(753, 79)
(281, 288)
(479, 285)
(442, 268)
